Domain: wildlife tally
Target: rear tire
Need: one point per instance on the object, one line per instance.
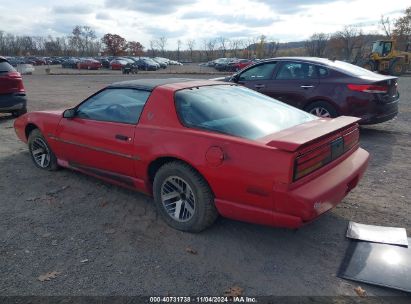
(321, 109)
(183, 197)
(40, 151)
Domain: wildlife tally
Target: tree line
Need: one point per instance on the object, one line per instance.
(350, 43)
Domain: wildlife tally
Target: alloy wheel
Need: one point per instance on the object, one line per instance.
(178, 199)
(320, 112)
(40, 152)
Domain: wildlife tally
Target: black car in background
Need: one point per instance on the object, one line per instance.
(146, 64)
(326, 88)
(70, 63)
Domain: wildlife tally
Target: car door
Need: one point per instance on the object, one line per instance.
(294, 83)
(100, 136)
(258, 77)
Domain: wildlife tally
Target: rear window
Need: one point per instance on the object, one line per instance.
(236, 111)
(5, 66)
(350, 69)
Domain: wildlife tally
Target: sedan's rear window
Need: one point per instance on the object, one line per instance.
(236, 111)
(350, 69)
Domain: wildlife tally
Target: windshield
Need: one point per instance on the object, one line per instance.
(236, 111)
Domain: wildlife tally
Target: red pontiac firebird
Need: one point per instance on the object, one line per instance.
(204, 148)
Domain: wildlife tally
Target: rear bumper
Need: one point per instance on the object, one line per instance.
(381, 113)
(13, 102)
(327, 190)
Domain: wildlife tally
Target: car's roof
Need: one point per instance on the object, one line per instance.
(317, 60)
(149, 84)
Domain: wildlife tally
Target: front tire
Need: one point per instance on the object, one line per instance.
(41, 153)
(183, 197)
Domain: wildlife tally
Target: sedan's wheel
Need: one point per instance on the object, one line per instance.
(321, 109)
(40, 151)
(183, 197)
(320, 112)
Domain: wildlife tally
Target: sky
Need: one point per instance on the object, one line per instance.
(145, 20)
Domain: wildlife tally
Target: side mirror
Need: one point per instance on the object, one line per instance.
(69, 113)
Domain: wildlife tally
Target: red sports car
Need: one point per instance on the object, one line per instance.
(204, 148)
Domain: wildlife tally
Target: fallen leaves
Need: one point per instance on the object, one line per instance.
(234, 291)
(191, 250)
(48, 276)
(360, 292)
(110, 231)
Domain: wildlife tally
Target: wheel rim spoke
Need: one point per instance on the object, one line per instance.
(178, 199)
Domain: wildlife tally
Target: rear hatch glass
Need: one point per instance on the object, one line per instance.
(236, 111)
(5, 67)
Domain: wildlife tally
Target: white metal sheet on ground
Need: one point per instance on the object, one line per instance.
(377, 234)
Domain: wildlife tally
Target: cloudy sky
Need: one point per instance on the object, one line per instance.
(144, 20)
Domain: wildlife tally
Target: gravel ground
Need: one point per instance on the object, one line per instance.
(105, 240)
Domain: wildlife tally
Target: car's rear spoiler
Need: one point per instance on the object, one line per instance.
(294, 138)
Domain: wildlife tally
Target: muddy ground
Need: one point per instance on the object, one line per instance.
(105, 240)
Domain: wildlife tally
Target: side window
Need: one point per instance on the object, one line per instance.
(260, 72)
(296, 70)
(114, 105)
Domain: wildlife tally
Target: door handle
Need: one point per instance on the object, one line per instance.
(259, 86)
(122, 137)
(307, 86)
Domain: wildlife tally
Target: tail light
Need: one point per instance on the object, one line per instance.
(319, 157)
(16, 76)
(368, 88)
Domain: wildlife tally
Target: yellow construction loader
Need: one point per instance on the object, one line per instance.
(386, 59)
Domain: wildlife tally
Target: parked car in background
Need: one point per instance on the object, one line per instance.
(162, 63)
(105, 62)
(89, 64)
(70, 63)
(36, 61)
(12, 93)
(174, 62)
(221, 64)
(204, 149)
(118, 64)
(326, 88)
(147, 64)
(239, 64)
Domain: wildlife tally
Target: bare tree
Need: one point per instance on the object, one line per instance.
(208, 48)
(316, 45)
(179, 43)
(190, 45)
(161, 44)
(273, 48)
(223, 43)
(385, 25)
(351, 38)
